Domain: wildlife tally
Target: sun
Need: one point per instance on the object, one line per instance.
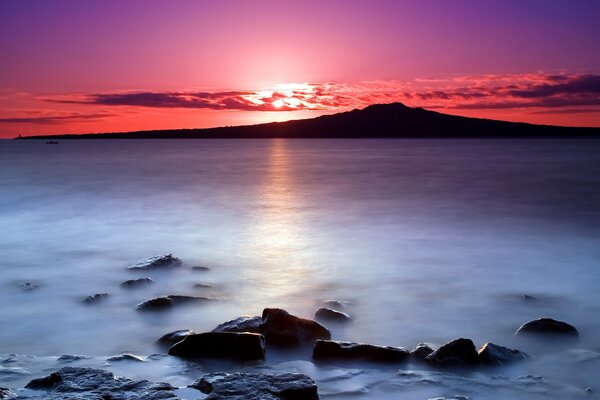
(278, 103)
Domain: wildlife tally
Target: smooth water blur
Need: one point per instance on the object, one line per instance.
(427, 240)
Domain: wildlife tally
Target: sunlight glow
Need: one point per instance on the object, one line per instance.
(278, 103)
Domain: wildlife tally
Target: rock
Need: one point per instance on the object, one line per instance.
(528, 298)
(169, 339)
(245, 323)
(247, 386)
(131, 283)
(421, 351)
(126, 357)
(335, 303)
(71, 358)
(491, 353)
(163, 303)
(163, 261)
(547, 326)
(242, 346)
(325, 349)
(27, 286)
(6, 393)
(202, 286)
(459, 352)
(281, 328)
(87, 383)
(95, 298)
(331, 315)
(200, 268)
(457, 397)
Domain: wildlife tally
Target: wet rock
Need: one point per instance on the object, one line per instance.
(246, 386)
(6, 393)
(459, 352)
(328, 314)
(132, 283)
(200, 268)
(163, 303)
(335, 304)
(156, 262)
(493, 354)
(126, 357)
(242, 346)
(421, 351)
(95, 298)
(245, 323)
(327, 349)
(202, 286)
(87, 383)
(528, 298)
(458, 397)
(27, 286)
(281, 328)
(169, 339)
(71, 358)
(547, 326)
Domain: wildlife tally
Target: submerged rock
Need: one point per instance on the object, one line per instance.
(331, 315)
(547, 326)
(71, 357)
(245, 323)
(27, 286)
(163, 303)
(131, 283)
(335, 303)
(95, 298)
(421, 351)
(242, 346)
(162, 261)
(126, 357)
(87, 383)
(246, 386)
(325, 349)
(459, 352)
(281, 328)
(491, 353)
(200, 268)
(169, 339)
(202, 286)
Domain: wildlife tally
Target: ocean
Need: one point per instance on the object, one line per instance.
(423, 240)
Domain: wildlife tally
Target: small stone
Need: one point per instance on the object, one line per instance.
(331, 315)
(164, 303)
(421, 351)
(459, 352)
(327, 349)
(126, 357)
(200, 268)
(169, 339)
(245, 323)
(547, 326)
(281, 328)
(27, 286)
(95, 298)
(131, 283)
(162, 261)
(249, 386)
(493, 354)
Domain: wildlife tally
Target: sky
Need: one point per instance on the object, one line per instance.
(72, 66)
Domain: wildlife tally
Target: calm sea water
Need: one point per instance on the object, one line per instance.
(427, 240)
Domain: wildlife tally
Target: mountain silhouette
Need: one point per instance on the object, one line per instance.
(375, 121)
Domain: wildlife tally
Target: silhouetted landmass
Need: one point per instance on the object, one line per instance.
(379, 120)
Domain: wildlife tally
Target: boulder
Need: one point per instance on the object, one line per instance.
(493, 354)
(547, 326)
(71, 383)
(421, 351)
(327, 349)
(328, 314)
(131, 283)
(248, 386)
(156, 262)
(169, 339)
(459, 352)
(95, 298)
(245, 323)
(281, 328)
(241, 346)
(163, 303)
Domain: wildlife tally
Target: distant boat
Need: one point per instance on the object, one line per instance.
(51, 142)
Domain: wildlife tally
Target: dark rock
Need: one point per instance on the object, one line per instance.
(71, 358)
(6, 393)
(331, 315)
(163, 261)
(163, 303)
(200, 268)
(491, 353)
(281, 328)
(547, 326)
(126, 357)
(87, 383)
(131, 283)
(459, 352)
(528, 298)
(325, 349)
(29, 285)
(243, 386)
(240, 324)
(169, 339)
(95, 298)
(202, 286)
(421, 351)
(242, 346)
